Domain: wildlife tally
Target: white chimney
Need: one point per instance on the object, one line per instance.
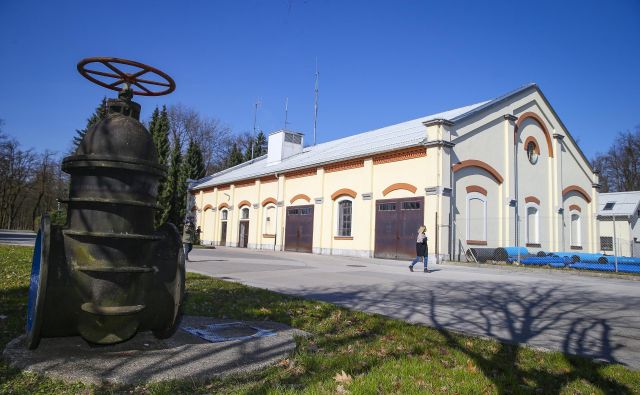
(283, 144)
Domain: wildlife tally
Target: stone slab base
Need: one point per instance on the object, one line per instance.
(147, 359)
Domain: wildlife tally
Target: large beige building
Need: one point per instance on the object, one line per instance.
(504, 172)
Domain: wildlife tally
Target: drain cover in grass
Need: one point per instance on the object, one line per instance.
(229, 331)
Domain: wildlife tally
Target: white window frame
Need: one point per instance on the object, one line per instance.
(242, 210)
(483, 199)
(264, 220)
(536, 238)
(337, 215)
(573, 243)
(222, 217)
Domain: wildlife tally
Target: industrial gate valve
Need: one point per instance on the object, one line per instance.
(108, 273)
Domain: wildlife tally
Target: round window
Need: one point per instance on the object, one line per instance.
(531, 153)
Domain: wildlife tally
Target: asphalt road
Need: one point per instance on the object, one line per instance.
(594, 316)
(17, 237)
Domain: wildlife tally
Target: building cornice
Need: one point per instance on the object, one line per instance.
(438, 121)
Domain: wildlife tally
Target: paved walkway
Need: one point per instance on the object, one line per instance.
(17, 237)
(578, 314)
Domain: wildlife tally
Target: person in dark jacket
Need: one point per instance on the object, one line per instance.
(422, 250)
(188, 236)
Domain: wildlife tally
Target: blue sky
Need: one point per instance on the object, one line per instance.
(380, 62)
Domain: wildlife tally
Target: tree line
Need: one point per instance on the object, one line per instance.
(189, 144)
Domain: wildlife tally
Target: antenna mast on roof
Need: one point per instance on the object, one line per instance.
(315, 105)
(286, 113)
(255, 117)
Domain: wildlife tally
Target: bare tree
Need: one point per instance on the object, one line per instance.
(16, 171)
(210, 134)
(620, 166)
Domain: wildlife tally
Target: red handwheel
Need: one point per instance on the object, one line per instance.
(116, 77)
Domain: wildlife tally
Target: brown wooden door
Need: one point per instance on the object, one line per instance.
(223, 234)
(243, 234)
(397, 222)
(299, 229)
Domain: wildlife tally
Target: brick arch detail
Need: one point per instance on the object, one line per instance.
(575, 207)
(267, 201)
(223, 205)
(536, 118)
(244, 203)
(479, 164)
(207, 207)
(578, 190)
(532, 199)
(477, 188)
(344, 191)
(399, 186)
(530, 139)
(300, 196)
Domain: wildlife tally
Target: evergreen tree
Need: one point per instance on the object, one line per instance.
(159, 129)
(170, 211)
(180, 197)
(235, 156)
(260, 145)
(194, 163)
(249, 152)
(98, 115)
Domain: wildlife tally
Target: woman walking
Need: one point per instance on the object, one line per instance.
(422, 250)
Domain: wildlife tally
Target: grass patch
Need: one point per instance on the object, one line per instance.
(376, 354)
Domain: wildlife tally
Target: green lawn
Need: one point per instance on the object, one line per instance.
(377, 354)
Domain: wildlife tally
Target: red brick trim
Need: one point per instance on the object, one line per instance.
(577, 189)
(244, 203)
(301, 173)
(576, 247)
(194, 208)
(479, 164)
(344, 165)
(395, 156)
(223, 205)
(397, 186)
(300, 196)
(268, 236)
(268, 200)
(534, 245)
(342, 237)
(476, 242)
(244, 183)
(342, 192)
(536, 118)
(532, 199)
(207, 207)
(266, 180)
(575, 207)
(477, 188)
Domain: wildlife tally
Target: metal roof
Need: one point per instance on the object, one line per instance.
(389, 138)
(625, 204)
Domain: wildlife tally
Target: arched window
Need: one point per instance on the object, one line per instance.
(576, 229)
(476, 218)
(269, 224)
(345, 207)
(532, 223)
(244, 213)
(224, 215)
